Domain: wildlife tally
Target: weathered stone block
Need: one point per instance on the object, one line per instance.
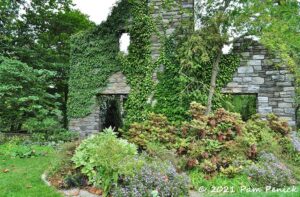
(257, 80)
(257, 68)
(258, 57)
(262, 99)
(253, 88)
(245, 69)
(264, 110)
(285, 105)
(286, 89)
(272, 72)
(254, 63)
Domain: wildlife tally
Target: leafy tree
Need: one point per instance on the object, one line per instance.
(277, 24)
(24, 96)
(274, 22)
(205, 45)
(39, 36)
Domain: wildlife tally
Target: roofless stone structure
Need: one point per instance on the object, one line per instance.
(257, 74)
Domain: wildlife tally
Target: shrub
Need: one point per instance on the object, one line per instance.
(289, 150)
(278, 124)
(212, 143)
(104, 157)
(156, 129)
(269, 171)
(154, 179)
(43, 125)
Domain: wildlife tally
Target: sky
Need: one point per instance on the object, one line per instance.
(98, 10)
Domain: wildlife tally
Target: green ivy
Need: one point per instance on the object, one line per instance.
(138, 65)
(95, 57)
(94, 60)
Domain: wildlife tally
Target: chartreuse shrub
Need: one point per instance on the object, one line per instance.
(103, 158)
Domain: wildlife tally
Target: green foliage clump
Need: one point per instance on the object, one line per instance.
(278, 124)
(155, 129)
(104, 157)
(54, 136)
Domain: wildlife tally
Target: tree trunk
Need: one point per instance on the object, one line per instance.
(215, 71)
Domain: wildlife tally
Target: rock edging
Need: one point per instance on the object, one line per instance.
(70, 192)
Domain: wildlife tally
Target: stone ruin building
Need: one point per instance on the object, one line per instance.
(257, 75)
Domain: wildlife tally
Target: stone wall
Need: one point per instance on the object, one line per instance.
(258, 74)
(88, 125)
(116, 85)
(168, 20)
(91, 124)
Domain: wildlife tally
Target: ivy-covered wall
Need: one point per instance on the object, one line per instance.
(153, 67)
(157, 30)
(94, 58)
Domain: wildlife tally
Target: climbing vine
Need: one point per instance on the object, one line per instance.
(96, 57)
(177, 88)
(138, 65)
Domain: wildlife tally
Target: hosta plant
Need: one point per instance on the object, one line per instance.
(103, 158)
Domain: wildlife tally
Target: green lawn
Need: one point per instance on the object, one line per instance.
(24, 177)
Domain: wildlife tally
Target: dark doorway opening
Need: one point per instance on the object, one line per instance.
(244, 104)
(113, 116)
(111, 111)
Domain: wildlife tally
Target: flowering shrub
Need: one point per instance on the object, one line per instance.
(269, 171)
(154, 179)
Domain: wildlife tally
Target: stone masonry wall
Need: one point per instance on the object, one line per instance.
(91, 124)
(168, 20)
(88, 125)
(259, 75)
